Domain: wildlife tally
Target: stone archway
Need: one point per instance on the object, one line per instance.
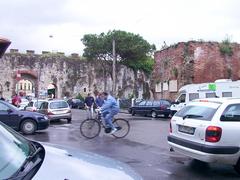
(52, 90)
(26, 81)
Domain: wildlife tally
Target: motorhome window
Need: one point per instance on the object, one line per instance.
(193, 96)
(210, 95)
(182, 98)
(227, 94)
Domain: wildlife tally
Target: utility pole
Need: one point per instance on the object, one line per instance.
(114, 68)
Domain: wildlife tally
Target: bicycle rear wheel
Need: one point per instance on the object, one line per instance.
(90, 128)
(123, 128)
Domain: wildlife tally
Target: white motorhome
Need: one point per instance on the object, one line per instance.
(219, 88)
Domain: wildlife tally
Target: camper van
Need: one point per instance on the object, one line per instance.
(219, 88)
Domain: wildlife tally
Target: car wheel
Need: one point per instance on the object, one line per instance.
(153, 114)
(237, 167)
(69, 120)
(28, 126)
(133, 113)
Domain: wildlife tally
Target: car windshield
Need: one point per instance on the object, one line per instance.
(14, 150)
(58, 105)
(197, 112)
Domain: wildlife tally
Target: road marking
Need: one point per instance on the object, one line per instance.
(164, 171)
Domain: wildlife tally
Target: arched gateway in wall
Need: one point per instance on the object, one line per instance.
(26, 82)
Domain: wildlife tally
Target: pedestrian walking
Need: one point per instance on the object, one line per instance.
(89, 103)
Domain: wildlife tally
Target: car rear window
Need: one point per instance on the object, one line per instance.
(58, 105)
(38, 104)
(197, 112)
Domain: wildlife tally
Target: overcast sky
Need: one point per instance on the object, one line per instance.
(59, 25)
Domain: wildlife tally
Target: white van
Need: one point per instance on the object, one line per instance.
(219, 88)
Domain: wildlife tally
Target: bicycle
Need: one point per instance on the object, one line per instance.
(90, 128)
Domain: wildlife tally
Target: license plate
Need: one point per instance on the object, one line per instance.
(186, 129)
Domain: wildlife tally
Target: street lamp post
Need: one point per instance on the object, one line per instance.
(114, 67)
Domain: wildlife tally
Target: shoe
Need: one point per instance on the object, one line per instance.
(113, 130)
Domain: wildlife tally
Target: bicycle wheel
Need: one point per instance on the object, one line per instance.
(90, 128)
(123, 128)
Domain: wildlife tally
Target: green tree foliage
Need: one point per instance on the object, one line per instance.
(131, 49)
(226, 48)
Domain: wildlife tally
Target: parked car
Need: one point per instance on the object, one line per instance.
(153, 108)
(23, 104)
(27, 122)
(56, 110)
(208, 130)
(32, 160)
(76, 103)
(34, 105)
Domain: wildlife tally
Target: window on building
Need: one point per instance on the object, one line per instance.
(84, 89)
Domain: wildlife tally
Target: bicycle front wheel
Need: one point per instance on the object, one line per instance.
(90, 128)
(122, 126)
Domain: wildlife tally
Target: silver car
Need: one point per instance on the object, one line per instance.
(56, 110)
(24, 159)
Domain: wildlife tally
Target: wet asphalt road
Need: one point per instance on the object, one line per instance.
(145, 149)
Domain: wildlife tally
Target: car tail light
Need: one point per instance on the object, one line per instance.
(213, 134)
(170, 127)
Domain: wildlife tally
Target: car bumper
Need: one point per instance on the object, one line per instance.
(60, 116)
(206, 153)
(43, 124)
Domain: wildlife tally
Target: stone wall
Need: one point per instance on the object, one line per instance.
(70, 75)
(193, 62)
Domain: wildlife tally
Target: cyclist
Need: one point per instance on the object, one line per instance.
(109, 109)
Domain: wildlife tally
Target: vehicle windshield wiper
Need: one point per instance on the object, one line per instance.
(191, 116)
(24, 169)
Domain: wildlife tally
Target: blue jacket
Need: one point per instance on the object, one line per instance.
(110, 105)
(99, 101)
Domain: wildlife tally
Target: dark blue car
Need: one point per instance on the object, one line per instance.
(153, 108)
(25, 121)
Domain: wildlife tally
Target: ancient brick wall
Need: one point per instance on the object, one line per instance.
(195, 62)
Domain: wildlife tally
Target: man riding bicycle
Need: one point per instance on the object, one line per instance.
(109, 109)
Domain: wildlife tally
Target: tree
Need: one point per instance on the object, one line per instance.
(131, 50)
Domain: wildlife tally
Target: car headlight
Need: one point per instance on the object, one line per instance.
(45, 117)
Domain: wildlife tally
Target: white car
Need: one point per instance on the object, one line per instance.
(23, 104)
(34, 105)
(208, 130)
(24, 159)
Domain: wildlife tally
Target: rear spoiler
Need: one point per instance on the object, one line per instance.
(4, 43)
